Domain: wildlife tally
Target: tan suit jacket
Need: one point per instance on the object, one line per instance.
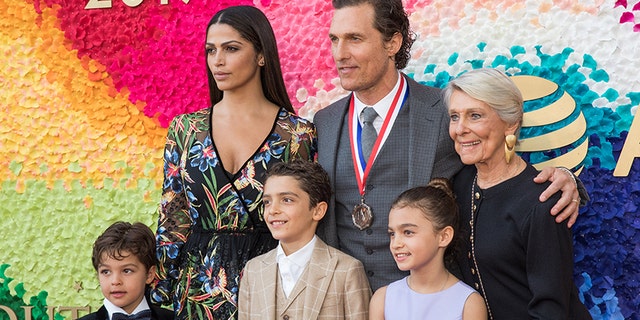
(332, 286)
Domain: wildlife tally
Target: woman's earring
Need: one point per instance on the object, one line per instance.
(509, 147)
(261, 63)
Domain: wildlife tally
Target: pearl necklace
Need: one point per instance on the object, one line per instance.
(472, 225)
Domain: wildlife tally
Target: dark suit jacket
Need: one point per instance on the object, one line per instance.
(157, 313)
(431, 152)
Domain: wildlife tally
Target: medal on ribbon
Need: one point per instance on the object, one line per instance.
(362, 214)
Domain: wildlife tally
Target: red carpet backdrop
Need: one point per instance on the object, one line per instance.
(88, 87)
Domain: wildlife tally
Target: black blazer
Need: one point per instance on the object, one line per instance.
(157, 313)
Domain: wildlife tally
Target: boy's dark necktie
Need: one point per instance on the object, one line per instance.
(142, 315)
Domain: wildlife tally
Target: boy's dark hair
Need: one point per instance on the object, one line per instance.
(390, 18)
(123, 238)
(310, 175)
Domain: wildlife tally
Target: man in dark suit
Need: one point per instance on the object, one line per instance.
(371, 42)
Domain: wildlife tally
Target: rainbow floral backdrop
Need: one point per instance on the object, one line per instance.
(86, 96)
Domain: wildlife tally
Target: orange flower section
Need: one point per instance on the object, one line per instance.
(61, 118)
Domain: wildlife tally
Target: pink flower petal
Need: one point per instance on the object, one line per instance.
(627, 17)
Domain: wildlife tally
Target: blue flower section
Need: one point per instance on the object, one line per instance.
(608, 300)
(276, 147)
(605, 244)
(532, 105)
(205, 275)
(172, 171)
(193, 211)
(202, 155)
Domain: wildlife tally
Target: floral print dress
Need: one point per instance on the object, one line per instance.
(210, 221)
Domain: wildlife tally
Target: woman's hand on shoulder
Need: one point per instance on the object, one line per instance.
(561, 180)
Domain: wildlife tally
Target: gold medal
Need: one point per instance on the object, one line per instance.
(362, 215)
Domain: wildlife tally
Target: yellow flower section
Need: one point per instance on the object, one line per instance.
(61, 118)
(75, 156)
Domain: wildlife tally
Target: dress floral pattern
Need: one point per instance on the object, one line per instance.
(210, 221)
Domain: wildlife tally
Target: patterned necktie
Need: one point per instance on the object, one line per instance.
(142, 315)
(369, 133)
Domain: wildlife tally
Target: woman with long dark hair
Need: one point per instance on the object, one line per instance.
(215, 159)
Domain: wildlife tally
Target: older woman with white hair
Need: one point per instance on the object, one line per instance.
(514, 252)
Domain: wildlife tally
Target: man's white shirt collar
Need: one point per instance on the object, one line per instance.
(382, 107)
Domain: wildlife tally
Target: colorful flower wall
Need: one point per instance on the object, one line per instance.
(86, 96)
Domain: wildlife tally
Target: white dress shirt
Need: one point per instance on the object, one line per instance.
(112, 308)
(382, 107)
(291, 267)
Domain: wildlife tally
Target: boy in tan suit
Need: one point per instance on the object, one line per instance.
(302, 278)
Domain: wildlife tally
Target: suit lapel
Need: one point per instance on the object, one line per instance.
(102, 314)
(333, 136)
(297, 290)
(421, 152)
(314, 282)
(268, 277)
(328, 143)
(318, 278)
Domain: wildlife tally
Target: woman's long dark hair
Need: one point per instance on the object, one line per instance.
(253, 26)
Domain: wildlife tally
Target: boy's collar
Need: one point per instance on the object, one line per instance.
(112, 308)
(306, 248)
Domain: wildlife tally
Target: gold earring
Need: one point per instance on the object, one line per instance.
(509, 147)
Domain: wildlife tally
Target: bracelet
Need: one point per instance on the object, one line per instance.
(570, 174)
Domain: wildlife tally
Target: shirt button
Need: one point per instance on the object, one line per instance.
(369, 231)
(473, 271)
(370, 273)
(285, 317)
(477, 286)
(369, 251)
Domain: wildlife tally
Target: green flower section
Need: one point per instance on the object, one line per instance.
(37, 305)
(47, 235)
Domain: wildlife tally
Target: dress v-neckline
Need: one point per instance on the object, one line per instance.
(234, 176)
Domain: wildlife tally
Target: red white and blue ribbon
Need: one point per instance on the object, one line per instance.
(363, 166)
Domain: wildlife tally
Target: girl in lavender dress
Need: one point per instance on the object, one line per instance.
(421, 229)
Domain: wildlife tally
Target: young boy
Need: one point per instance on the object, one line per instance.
(302, 278)
(124, 257)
